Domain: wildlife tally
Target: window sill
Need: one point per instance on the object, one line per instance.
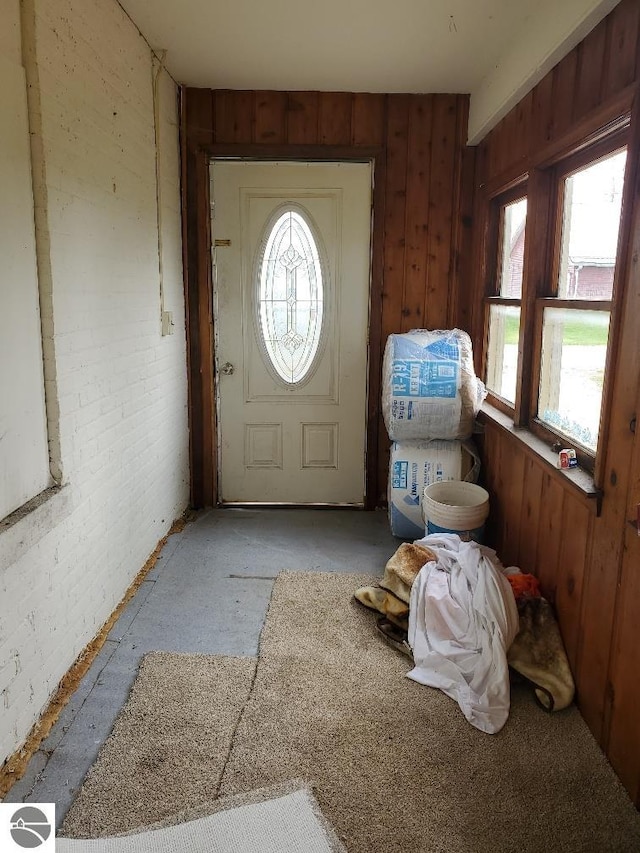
(26, 526)
(577, 479)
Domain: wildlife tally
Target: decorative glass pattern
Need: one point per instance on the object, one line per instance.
(291, 297)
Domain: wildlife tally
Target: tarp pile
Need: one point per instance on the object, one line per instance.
(464, 628)
(462, 620)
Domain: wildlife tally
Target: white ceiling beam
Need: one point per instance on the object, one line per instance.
(530, 56)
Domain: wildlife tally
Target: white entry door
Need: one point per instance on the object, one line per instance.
(291, 307)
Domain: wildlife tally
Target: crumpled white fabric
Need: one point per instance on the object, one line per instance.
(462, 620)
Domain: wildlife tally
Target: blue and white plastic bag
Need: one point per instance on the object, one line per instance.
(416, 464)
(429, 386)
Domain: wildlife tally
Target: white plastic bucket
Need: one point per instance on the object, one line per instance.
(413, 465)
(456, 507)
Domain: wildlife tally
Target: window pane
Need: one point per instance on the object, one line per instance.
(514, 217)
(591, 220)
(291, 297)
(502, 356)
(574, 349)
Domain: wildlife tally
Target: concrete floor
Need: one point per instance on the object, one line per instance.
(207, 593)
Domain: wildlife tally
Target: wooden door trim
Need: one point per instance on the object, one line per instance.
(203, 445)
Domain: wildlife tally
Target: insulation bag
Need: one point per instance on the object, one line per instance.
(417, 464)
(429, 386)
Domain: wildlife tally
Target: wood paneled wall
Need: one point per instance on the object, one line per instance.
(589, 565)
(422, 204)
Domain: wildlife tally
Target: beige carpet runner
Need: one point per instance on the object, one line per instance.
(394, 765)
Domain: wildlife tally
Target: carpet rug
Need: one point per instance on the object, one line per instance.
(168, 747)
(394, 765)
(260, 824)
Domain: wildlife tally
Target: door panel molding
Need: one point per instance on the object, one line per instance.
(320, 445)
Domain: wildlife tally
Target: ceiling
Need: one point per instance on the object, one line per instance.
(493, 49)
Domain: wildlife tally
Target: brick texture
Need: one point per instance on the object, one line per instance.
(117, 389)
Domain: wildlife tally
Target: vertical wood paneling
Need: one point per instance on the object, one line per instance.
(461, 301)
(505, 532)
(603, 574)
(493, 147)
(489, 477)
(541, 128)
(473, 290)
(199, 117)
(532, 477)
(587, 565)
(564, 87)
(233, 116)
(368, 119)
(199, 121)
(508, 136)
(624, 735)
(192, 309)
(550, 533)
(441, 190)
(207, 377)
(417, 211)
(511, 488)
(624, 682)
(598, 614)
(335, 118)
(589, 78)
(623, 48)
(576, 523)
(522, 132)
(397, 148)
(271, 117)
(408, 225)
(302, 118)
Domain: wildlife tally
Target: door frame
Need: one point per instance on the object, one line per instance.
(196, 232)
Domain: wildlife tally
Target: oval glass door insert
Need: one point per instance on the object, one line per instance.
(291, 296)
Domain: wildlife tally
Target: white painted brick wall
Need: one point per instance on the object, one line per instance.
(10, 30)
(24, 456)
(120, 387)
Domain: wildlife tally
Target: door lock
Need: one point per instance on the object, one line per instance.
(227, 368)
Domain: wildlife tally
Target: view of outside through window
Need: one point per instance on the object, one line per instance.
(574, 346)
(574, 343)
(504, 320)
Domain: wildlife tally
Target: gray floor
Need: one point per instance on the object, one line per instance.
(207, 593)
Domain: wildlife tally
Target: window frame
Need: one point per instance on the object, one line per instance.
(543, 186)
(514, 193)
(562, 169)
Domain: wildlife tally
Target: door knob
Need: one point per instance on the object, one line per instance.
(227, 368)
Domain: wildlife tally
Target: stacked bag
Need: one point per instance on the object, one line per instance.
(430, 399)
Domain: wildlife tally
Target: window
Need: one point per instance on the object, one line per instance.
(503, 333)
(575, 322)
(24, 452)
(290, 297)
(547, 322)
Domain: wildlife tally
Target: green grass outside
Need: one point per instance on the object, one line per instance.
(575, 333)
